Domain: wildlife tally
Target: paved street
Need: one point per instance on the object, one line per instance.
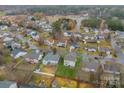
(120, 55)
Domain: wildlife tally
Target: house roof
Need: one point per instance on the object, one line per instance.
(70, 57)
(91, 47)
(34, 55)
(51, 40)
(109, 60)
(6, 84)
(51, 56)
(111, 67)
(91, 41)
(104, 49)
(27, 86)
(89, 35)
(90, 65)
(68, 32)
(16, 51)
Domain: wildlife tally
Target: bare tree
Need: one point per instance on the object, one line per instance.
(41, 41)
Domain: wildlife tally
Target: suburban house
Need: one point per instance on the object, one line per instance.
(70, 60)
(8, 84)
(73, 46)
(34, 35)
(86, 29)
(3, 34)
(21, 38)
(51, 58)
(12, 45)
(47, 28)
(68, 34)
(61, 44)
(8, 39)
(28, 86)
(15, 45)
(88, 70)
(16, 53)
(91, 48)
(90, 41)
(4, 27)
(89, 36)
(77, 34)
(120, 34)
(34, 57)
(49, 42)
(99, 37)
(111, 73)
(96, 31)
(104, 50)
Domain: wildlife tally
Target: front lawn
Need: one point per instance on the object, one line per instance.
(66, 71)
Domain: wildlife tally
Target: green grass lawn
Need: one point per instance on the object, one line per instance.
(7, 59)
(1, 78)
(66, 71)
(2, 13)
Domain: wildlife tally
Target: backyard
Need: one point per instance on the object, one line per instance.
(66, 71)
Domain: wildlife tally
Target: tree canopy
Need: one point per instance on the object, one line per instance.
(92, 22)
(115, 24)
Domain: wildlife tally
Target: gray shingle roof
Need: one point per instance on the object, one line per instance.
(91, 65)
(111, 67)
(34, 55)
(6, 84)
(70, 57)
(51, 56)
(16, 51)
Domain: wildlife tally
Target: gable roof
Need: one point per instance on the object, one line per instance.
(103, 49)
(70, 57)
(111, 68)
(6, 84)
(34, 55)
(92, 66)
(16, 51)
(51, 56)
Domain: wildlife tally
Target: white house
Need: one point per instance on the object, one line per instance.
(61, 44)
(77, 35)
(16, 53)
(105, 50)
(70, 60)
(86, 29)
(89, 36)
(67, 34)
(51, 58)
(7, 39)
(3, 27)
(90, 49)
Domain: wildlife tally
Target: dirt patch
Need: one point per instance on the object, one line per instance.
(51, 69)
(64, 82)
(37, 79)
